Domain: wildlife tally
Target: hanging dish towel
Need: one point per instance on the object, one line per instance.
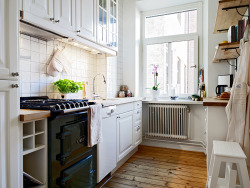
(238, 108)
(95, 126)
(58, 64)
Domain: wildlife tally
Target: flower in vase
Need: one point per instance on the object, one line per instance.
(155, 73)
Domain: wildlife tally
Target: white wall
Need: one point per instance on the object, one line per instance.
(212, 70)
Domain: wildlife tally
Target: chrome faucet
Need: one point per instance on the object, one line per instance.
(104, 80)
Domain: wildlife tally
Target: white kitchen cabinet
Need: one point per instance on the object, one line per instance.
(34, 150)
(86, 19)
(107, 25)
(9, 135)
(137, 122)
(113, 24)
(8, 35)
(39, 8)
(64, 13)
(124, 134)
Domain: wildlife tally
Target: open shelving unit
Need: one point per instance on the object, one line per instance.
(34, 150)
(229, 12)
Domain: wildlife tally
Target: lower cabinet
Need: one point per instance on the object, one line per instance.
(124, 134)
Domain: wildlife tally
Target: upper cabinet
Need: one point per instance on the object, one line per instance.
(107, 27)
(86, 19)
(113, 25)
(40, 8)
(94, 20)
(64, 13)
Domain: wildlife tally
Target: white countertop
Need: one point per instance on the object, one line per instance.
(117, 101)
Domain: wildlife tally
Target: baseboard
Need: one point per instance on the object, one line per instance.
(172, 145)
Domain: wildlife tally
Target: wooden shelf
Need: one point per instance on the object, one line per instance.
(226, 51)
(226, 18)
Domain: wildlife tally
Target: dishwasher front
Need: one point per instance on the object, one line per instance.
(106, 150)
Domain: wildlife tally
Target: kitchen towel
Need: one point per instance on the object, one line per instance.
(238, 108)
(58, 64)
(95, 126)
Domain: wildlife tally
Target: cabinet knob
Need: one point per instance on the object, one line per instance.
(15, 86)
(51, 19)
(78, 31)
(138, 128)
(112, 110)
(118, 117)
(57, 21)
(15, 74)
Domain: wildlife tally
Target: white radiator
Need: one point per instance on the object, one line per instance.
(168, 121)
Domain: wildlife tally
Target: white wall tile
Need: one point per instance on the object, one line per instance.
(35, 88)
(35, 78)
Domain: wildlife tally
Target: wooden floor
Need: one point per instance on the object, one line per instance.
(153, 167)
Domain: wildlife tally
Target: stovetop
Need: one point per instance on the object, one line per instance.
(56, 106)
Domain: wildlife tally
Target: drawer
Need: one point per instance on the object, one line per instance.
(122, 108)
(137, 135)
(138, 115)
(137, 104)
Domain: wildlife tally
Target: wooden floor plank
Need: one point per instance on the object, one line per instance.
(153, 167)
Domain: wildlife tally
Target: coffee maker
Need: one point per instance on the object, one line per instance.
(224, 81)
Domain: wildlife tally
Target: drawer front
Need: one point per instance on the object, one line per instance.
(137, 135)
(137, 104)
(138, 115)
(122, 108)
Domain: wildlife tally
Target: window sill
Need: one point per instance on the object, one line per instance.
(169, 101)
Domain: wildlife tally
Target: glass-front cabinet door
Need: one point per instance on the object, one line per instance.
(113, 24)
(102, 25)
(107, 32)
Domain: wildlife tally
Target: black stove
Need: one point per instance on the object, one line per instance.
(56, 106)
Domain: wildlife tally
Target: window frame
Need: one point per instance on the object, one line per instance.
(174, 38)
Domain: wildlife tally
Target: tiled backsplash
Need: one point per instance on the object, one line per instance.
(34, 58)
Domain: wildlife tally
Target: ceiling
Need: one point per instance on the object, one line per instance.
(147, 5)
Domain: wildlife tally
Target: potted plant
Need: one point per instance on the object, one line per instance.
(68, 88)
(155, 90)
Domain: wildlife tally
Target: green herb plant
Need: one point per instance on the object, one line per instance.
(68, 86)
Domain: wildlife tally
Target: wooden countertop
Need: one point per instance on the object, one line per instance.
(32, 115)
(214, 102)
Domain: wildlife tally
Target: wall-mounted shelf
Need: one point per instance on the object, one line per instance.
(227, 51)
(227, 14)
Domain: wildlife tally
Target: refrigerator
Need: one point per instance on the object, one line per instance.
(9, 95)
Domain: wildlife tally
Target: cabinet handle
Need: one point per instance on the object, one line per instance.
(57, 21)
(138, 112)
(15, 74)
(15, 86)
(51, 19)
(112, 111)
(78, 31)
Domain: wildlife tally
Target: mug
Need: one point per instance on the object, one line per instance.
(220, 89)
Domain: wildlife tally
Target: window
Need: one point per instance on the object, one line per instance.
(171, 41)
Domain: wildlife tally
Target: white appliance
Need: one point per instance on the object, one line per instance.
(106, 150)
(226, 80)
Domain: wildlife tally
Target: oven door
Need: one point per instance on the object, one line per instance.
(73, 141)
(81, 174)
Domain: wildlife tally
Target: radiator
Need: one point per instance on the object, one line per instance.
(168, 121)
